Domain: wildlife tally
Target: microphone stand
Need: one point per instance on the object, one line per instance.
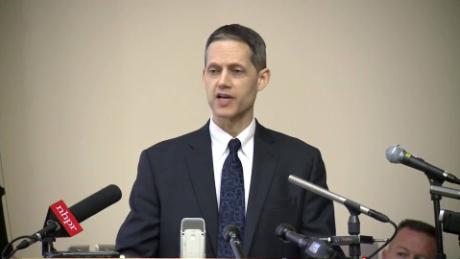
(353, 207)
(236, 248)
(48, 249)
(3, 236)
(354, 240)
(436, 198)
(354, 228)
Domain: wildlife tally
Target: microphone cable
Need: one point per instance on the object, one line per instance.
(9, 246)
(387, 242)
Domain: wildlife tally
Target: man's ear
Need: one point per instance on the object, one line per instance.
(384, 253)
(263, 78)
(202, 75)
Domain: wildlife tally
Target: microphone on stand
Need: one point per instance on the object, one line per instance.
(192, 238)
(312, 247)
(444, 191)
(64, 222)
(396, 154)
(354, 208)
(232, 236)
(332, 196)
(450, 221)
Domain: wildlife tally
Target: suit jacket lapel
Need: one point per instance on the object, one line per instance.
(264, 164)
(200, 169)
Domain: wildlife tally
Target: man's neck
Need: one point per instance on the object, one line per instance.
(233, 127)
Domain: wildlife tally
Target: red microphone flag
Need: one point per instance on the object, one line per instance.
(66, 218)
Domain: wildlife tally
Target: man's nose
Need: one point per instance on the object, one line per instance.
(224, 79)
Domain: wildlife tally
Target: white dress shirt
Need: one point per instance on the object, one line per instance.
(219, 146)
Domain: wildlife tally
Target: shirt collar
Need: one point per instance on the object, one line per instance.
(220, 138)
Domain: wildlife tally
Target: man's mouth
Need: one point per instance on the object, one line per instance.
(224, 96)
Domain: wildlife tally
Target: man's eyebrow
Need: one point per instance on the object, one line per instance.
(212, 64)
(230, 65)
(235, 64)
(402, 247)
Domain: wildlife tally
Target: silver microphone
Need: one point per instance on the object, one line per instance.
(444, 191)
(192, 238)
(396, 154)
(332, 196)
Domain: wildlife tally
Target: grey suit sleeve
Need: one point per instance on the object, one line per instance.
(138, 235)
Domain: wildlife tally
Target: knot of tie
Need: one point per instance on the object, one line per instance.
(234, 145)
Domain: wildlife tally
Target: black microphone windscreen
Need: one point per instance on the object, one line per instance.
(229, 231)
(96, 202)
(281, 231)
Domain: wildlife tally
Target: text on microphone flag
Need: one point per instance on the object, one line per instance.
(66, 218)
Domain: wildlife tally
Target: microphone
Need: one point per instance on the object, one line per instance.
(232, 236)
(444, 191)
(396, 154)
(192, 238)
(332, 196)
(56, 224)
(314, 248)
(450, 221)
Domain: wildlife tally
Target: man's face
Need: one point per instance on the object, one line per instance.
(411, 244)
(231, 81)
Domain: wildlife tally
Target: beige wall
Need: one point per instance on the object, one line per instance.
(86, 85)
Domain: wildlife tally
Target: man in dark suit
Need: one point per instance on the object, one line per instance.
(181, 177)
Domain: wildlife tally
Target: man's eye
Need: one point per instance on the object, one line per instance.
(402, 254)
(212, 70)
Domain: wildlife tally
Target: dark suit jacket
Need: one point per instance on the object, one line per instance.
(175, 180)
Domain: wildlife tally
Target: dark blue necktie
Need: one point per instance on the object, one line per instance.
(231, 208)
